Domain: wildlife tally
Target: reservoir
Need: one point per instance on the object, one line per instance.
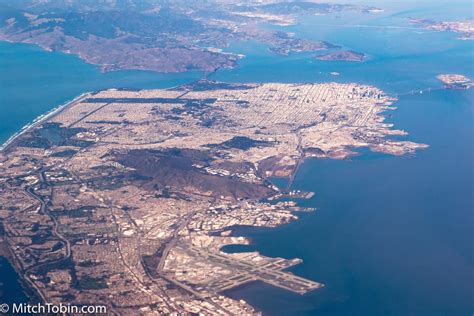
(10, 288)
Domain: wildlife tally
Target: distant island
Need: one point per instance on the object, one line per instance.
(159, 36)
(464, 28)
(455, 81)
(342, 56)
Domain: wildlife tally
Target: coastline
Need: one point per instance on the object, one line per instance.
(29, 291)
(57, 110)
(38, 120)
(373, 221)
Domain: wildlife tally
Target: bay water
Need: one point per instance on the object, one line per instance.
(392, 235)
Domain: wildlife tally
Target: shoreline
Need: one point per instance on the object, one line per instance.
(105, 68)
(55, 111)
(39, 119)
(27, 289)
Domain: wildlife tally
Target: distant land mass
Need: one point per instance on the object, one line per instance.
(455, 81)
(155, 35)
(465, 28)
(342, 56)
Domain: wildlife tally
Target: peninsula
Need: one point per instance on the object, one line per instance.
(125, 198)
(163, 36)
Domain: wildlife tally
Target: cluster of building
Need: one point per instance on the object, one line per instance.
(139, 192)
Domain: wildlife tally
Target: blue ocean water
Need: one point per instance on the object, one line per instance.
(392, 235)
(33, 82)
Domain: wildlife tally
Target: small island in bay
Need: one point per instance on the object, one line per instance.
(347, 55)
(455, 81)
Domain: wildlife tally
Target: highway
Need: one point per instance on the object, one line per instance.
(169, 246)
